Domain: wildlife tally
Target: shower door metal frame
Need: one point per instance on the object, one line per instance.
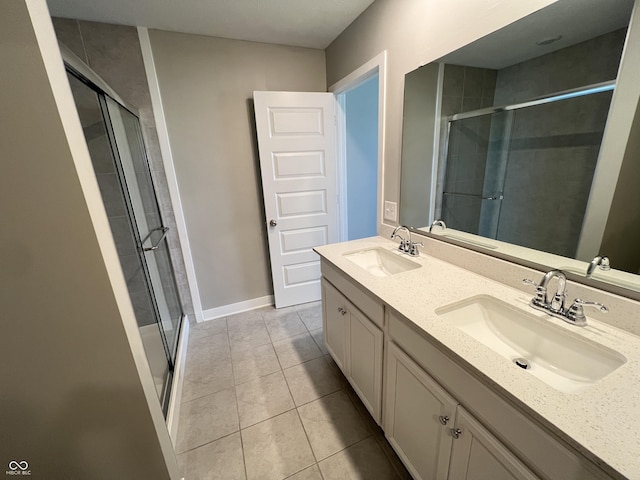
(78, 69)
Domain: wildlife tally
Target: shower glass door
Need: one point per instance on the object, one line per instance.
(127, 136)
(119, 160)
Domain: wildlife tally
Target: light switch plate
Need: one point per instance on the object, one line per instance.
(390, 211)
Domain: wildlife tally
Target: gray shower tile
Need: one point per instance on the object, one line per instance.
(276, 448)
(68, 33)
(219, 460)
(206, 419)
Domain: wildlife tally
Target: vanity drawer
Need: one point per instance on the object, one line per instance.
(540, 449)
(366, 303)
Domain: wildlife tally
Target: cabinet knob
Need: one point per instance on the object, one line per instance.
(444, 419)
(456, 433)
(342, 311)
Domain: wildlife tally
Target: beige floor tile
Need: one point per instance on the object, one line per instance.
(263, 398)
(209, 327)
(276, 448)
(204, 378)
(206, 419)
(219, 460)
(312, 380)
(296, 350)
(311, 473)
(362, 461)
(332, 423)
(254, 362)
(311, 315)
(285, 326)
(317, 337)
(271, 312)
(210, 349)
(248, 337)
(244, 320)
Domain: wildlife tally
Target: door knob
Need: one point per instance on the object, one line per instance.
(273, 223)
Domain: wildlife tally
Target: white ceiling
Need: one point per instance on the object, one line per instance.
(303, 23)
(574, 20)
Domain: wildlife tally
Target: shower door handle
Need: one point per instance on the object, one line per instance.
(157, 245)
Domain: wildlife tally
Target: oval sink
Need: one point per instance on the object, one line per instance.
(564, 361)
(381, 262)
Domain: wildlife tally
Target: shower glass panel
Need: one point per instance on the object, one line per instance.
(146, 214)
(119, 160)
(526, 169)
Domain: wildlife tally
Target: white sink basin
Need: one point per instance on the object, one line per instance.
(564, 361)
(381, 262)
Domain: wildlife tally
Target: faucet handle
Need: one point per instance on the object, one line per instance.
(413, 248)
(541, 293)
(576, 311)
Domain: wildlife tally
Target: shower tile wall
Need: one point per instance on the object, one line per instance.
(554, 148)
(465, 89)
(113, 52)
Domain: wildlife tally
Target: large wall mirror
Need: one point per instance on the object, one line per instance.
(504, 141)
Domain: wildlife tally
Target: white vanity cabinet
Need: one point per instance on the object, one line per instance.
(355, 343)
(418, 415)
(434, 435)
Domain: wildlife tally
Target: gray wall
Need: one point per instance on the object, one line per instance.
(414, 32)
(72, 403)
(207, 86)
(113, 52)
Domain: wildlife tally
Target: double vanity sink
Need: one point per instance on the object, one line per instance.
(560, 358)
(580, 383)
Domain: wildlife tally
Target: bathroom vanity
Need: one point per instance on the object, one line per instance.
(448, 394)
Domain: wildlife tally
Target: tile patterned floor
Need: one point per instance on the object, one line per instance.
(263, 400)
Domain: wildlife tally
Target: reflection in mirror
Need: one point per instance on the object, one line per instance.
(501, 138)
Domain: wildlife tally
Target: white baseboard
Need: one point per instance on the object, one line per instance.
(173, 413)
(239, 307)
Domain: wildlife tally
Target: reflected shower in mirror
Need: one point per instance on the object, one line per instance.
(501, 139)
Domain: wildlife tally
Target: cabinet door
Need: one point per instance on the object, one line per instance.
(478, 455)
(365, 360)
(334, 323)
(418, 416)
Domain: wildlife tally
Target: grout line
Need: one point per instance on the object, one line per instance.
(235, 394)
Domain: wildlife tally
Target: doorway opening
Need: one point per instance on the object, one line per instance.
(360, 114)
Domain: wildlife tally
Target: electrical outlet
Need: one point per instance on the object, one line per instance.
(390, 211)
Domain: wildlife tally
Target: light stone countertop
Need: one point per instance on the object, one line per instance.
(602, 421)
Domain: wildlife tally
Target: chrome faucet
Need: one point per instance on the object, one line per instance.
(406, 245)
(601, 261)
(556, 305)
(437, 222)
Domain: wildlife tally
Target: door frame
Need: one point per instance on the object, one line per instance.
(377, 65)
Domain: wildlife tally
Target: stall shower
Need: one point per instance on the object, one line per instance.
(113, 135)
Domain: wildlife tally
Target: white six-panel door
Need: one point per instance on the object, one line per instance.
(297, 144)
